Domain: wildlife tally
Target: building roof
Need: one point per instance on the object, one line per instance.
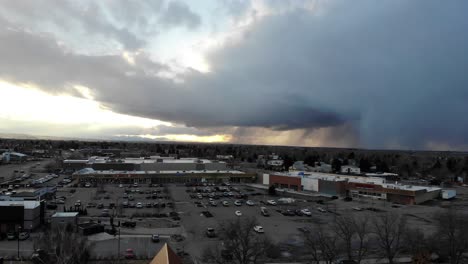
(26, 204)
(65, 214)
(166, 256)
(142, 160)
(88, 171)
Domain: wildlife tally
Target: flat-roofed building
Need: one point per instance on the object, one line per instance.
(25, 214)
(64, 218)
(353, 186)
(164, 176)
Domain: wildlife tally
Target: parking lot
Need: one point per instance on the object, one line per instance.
(180, 210)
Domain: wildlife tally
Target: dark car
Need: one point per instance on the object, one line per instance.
(129, 224)
(288, 213)
(155, 238)
(210, 232)
(129, 254)
(298, 212)
(11, 236)
(51, 206)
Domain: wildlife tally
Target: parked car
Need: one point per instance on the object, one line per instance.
(129, 224)
(238, 213)
(155, 238)
(139, 205)
(210, 232)
(271, 202)
(304, 229)
(264, 211)
(357, 208)
(288, 212)
(225, 203)
(258, 229)
(298, 212)
(250, 203)
(320, 209)
(11, 236)
(237, 203)
(129, 254)
(306, 211)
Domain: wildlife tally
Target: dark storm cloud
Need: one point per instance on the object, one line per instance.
(390, 72)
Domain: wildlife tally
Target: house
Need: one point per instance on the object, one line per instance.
(349, 169)
(166, 256)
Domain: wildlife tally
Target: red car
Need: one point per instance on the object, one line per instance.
(129, 254)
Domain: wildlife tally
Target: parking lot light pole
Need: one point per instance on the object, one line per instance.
(19, 231)
(118, 245)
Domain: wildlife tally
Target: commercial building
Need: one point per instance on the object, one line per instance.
(25, 214)
(153, 163)
(90, 175)
(352, 186)
(13, 157)
(27, 194)
(62, 219)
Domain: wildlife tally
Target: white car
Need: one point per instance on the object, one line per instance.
(87, 185)
(357, 208)
(120, 185)
(306, 212)
(238, 213)
(271, 202)
(258, 229)
(225, 203)
(250, 203)
(320, 209)
(139, 205)
(238, 203)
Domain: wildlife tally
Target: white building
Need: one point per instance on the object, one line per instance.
(348, 169)
(25, 213)
(64, 218)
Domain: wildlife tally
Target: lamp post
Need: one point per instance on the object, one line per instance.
(118, 244)
(19, 231)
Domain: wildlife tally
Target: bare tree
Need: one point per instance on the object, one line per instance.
(240, 244)
(323, 245)
(362, 235)
(345, 229)
(419, 246)
(63, 246)
(353, 233)
(452, 234)
(389, 229)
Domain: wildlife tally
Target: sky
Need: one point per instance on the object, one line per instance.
(387, 74)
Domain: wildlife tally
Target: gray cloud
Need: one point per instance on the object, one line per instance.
(178, 13)
(387, 72)
(88, 23)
